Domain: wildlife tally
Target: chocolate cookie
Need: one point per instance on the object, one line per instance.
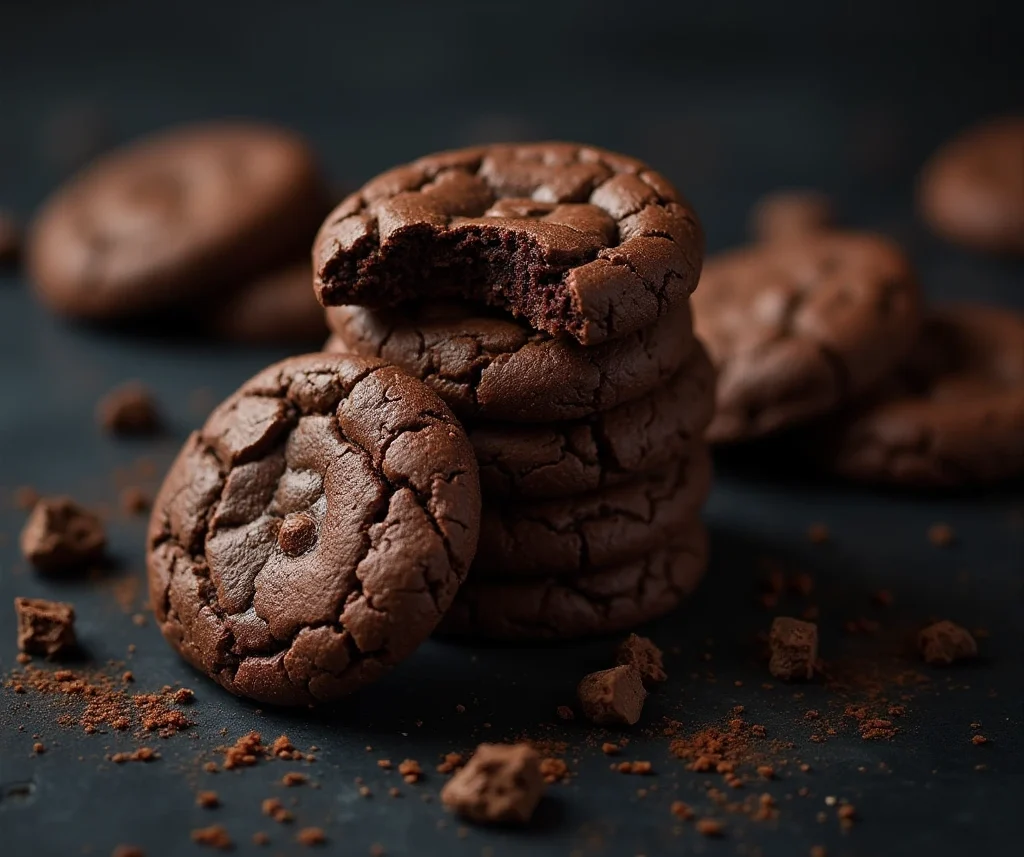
(564, 459)
(278, 307)
(796, 328)
(184, 214)
(494, 367)
(611, 600)
(953, 416)
(972, 190)
(316, 529)
(605, 528)
(571, 238)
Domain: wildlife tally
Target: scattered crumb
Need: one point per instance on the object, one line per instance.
(207, 799)
(709, 827)
(214, 836)
(609, 749)
(294, 778)
(978, 740)
(411, 771)
(311, 836)
(681, 810)
(941, 535)
(818, 534)
(260, 838)
(564, 712)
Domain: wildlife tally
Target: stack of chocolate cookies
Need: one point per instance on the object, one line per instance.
(542, 291)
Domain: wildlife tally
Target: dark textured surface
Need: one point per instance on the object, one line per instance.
(851, 102)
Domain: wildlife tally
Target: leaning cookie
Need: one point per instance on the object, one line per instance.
(184, 215)
(278, 307)
(573, 239)
(798, 328)
(545, 460)
(488, 365)
(954, 415)
(576, 535)
(315, 530)
(972, 190)
(615, 599)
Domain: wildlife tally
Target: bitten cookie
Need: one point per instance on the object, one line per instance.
(564, 459)
(953, 416)
(562, 608)
(797, 328)
(972, 189)
(315, 530)
(494, 367)
(576, 535)
(278, 307)
(186, 214)
(573, 239)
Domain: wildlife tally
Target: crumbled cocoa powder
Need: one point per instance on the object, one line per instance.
(411, 771)
(610, 749)
(282, 748)
(128, 410)
(273, 807)
(553, 770)
(978, 740)
(642, 768)
(681, 810)
(39, 748)
(294, 778)
(384, 764)
(245, 752)
(310, 836)
(710, 827)
(207, 799)
(142, 754)
(214, 836)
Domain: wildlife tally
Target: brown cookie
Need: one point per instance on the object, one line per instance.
(178, 217)
(278, 307)
(797, 328)
(953, 416)
(972, 189)
(611, 600)
(565, 459)
(575, 535)
(316, 529)
(494, 367)
(573, 239)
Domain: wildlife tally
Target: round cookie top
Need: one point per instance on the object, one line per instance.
(796, 328)
(953, 416)
(315, 530)
(494, 367)
(972, 189)
(180, 214)
(572, 238)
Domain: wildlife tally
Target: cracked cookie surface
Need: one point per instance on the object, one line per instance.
(314, 531)
(972, 189)
(182, 215)
(576, 240)
(560, 608)
(568, 458)
(494, 367)
(797, 328)
(604, 528)
(954, 415)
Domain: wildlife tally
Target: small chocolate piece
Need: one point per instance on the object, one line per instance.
(944, 643)
(612, 697)
(790, 214)
(129, 410)
(575, 240)
(645, 657)
(45, 627)
(297, 534)
(10, 239)
(500, 784)
(794, 648)
(62, 536)
(972, 190)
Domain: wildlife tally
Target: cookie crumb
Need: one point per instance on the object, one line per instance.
(294, 778)
(207, 799)
(614, 696)
(128, 851)
(214, 836)
(310, 836)
(941, 535)
(452, 762)
(645, 657)
(681, 810)
(45, 627)
(39, 748)
(134, 501)
(978, 740)
(642, 768)
(273, 807)
(128, 410)
(553, 770)
(260, 838)
(794, 648)
(411, 771)
(501, 783)
(818, 534)
(564, 712)
(710, 827)
(944, 643)
(610, 749)
(60, 536)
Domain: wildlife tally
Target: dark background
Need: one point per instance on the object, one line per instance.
(729, 100)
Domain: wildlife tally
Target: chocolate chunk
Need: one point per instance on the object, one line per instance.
(129, 410)
(944, 643)
(45, 627)
(645, 657)
(500, 784)
(62, 536)
(297, 534)
(794, 648)
(790, 214)
(10, 239)
(573, 239)
(612, 697)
